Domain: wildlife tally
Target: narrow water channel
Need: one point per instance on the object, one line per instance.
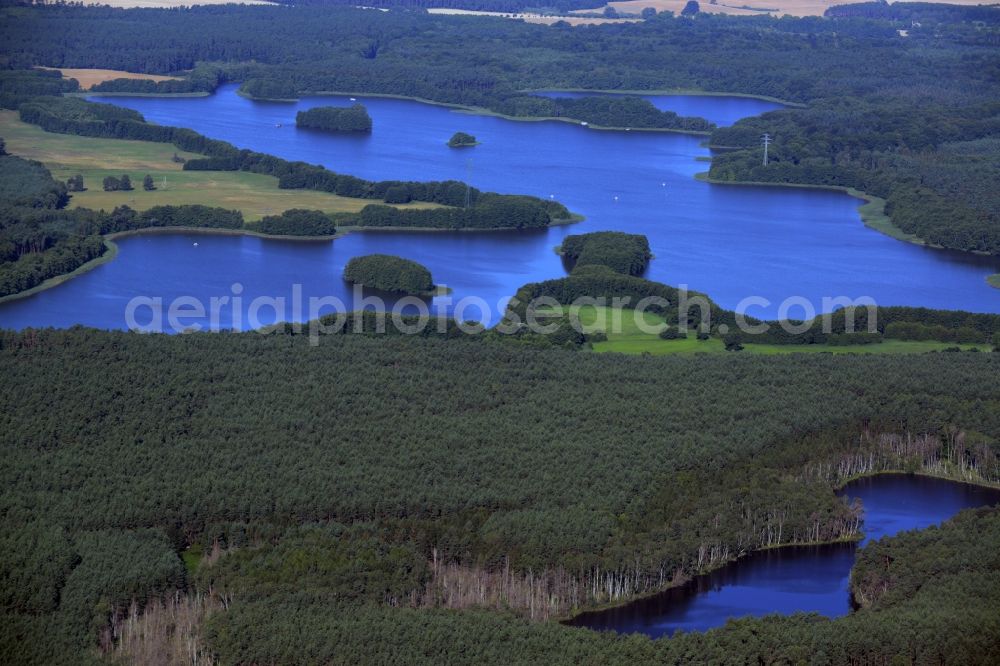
(794, 579)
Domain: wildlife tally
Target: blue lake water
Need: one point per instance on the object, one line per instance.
(794, 579)
(730, 242)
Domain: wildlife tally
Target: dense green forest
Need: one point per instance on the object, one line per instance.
(354, 118)
(933, 616)
(28, 184)
(21, 85)
(389, 273)
(382, 472)
(927, 562)
(37, 239)
(251, 498)
(911, 119)
(372, 49)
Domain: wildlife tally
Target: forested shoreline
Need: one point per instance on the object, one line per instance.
(904, 118)
(40, 239)
(482, 209)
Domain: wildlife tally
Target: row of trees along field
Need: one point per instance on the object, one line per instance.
(371, 477)
(908, 118)
(113, 184)
(296, 222)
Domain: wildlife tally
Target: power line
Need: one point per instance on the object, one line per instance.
(766, 140)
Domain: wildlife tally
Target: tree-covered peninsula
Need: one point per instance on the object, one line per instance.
(297, 222)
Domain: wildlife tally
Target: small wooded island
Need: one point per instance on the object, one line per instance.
(390, 273)
(353, 118)
(624, 253)
(462, 140)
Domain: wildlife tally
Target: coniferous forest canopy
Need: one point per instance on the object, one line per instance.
(447, 498)
(344, 485)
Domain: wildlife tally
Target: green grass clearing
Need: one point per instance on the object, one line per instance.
(254, 194)
(626, 335)
(873, 215)
(192, 558)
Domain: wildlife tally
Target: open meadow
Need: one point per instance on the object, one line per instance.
(625, 336)
(88, 78)
(255, 195)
